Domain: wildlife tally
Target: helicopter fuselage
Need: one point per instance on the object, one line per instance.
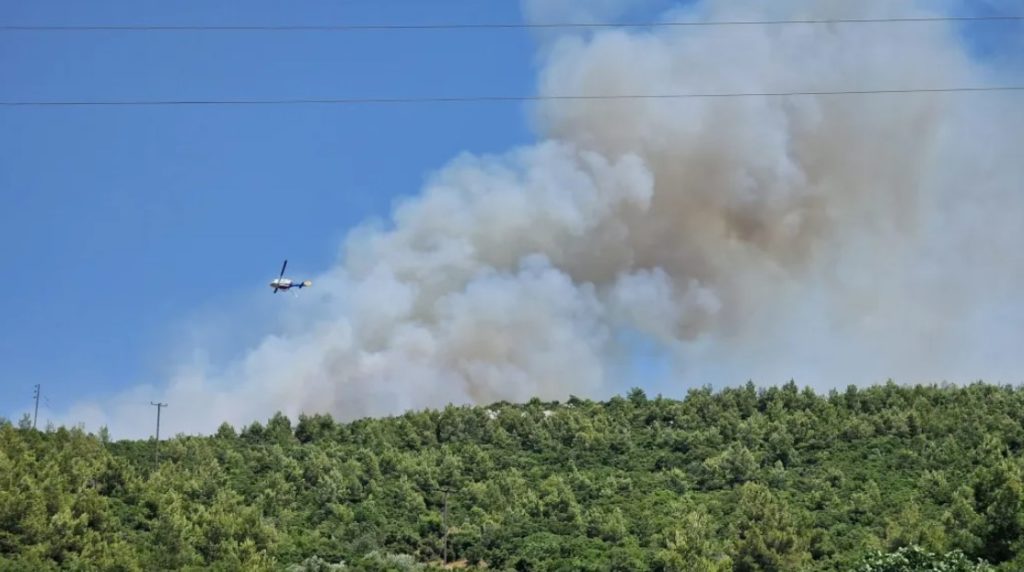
(287, 284)
(281, 283)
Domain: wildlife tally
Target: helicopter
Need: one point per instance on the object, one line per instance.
(282, 283)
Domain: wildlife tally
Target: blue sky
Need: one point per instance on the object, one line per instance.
(120, 224)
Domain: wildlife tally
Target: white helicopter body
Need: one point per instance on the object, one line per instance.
(282, 283)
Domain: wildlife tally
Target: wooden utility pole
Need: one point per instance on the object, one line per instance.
(444, 522)
(34, 416)
(444, 525)
(156, 448)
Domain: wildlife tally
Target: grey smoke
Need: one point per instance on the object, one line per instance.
(831, 239)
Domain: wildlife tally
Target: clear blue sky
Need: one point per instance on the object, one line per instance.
(116, 224)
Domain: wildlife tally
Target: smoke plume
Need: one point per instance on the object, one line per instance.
(833, 239)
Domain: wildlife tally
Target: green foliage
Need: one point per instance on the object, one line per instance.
(876, 479)
(914, 559)
(769, 536)
(693, 546)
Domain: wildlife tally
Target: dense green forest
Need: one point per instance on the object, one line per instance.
(877, 479)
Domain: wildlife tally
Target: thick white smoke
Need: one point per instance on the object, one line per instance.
(831, 239)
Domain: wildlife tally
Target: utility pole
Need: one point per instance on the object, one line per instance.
(34, 416)
(444, 525)
(157, 446)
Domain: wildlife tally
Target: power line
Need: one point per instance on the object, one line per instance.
(498, 25)
(490, 98)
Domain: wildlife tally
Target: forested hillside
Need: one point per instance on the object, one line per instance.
(742, 479)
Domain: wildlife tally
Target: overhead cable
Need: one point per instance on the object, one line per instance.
(490, 26)
(491, 98)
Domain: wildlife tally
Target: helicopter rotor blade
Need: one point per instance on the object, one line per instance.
(283, 266)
